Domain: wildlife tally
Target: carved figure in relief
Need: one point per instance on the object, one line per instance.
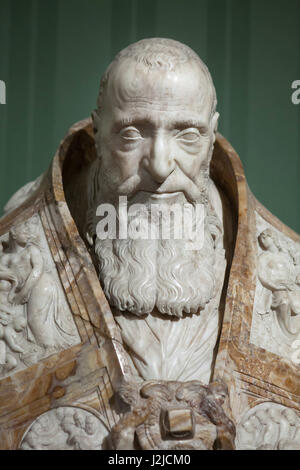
(83, 431)
(10, 326)
(280, 278)
(11, 322)
(65, 428)
(291, 439)
(269, 426)
(252, 428)
(35, 288)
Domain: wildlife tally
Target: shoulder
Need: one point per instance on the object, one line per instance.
(21, 195)
(35, 251)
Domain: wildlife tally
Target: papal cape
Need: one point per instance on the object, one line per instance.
(258, 350)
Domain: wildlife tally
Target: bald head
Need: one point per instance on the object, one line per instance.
(160, 54)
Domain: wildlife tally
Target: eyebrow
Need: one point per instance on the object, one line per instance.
(178, 124)
(185, 123)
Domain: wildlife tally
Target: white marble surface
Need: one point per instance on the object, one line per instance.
(276, 315)
(155, 126)
(269, 426)
(22, 195)
(35, 318)
(65, 428)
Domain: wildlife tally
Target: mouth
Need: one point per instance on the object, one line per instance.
(164, 195)
(142, 196)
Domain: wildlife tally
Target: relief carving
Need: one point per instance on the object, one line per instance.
(35, 319)
(269, 426)
(173, 415)
(276, 319)
(65, 428)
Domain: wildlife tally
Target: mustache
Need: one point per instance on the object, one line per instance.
(186, 185)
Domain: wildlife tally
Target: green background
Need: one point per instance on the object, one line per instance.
(53, 52)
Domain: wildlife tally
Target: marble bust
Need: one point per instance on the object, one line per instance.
(147, 299)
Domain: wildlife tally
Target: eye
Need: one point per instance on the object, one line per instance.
(189, 136)
(130, 133)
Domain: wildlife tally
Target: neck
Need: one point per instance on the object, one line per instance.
(14, 247)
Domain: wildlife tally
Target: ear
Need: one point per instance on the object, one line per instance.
(214, 125)
(214, 122)
(96, 121)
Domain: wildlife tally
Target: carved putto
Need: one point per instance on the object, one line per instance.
(65, 428)
(269, 426)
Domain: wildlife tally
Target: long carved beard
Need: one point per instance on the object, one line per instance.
(140, 275)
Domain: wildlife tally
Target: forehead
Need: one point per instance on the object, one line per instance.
(136, 89)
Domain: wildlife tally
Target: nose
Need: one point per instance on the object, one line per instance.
(159, 162)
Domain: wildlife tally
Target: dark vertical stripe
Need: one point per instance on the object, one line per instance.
(273, 123)
(227, 91)
(44, 87)
(228, 56)
(185, 21)
(83, 52)
(146, 19)
(18, 85)
(239, 76)
(5, 15)
(216, 52)
(121, 24)
(134, 11)
(28, 164)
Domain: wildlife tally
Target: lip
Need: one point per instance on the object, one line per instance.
(164, 195)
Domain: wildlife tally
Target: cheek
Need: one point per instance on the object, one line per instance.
(124, 162)
(192, 159)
